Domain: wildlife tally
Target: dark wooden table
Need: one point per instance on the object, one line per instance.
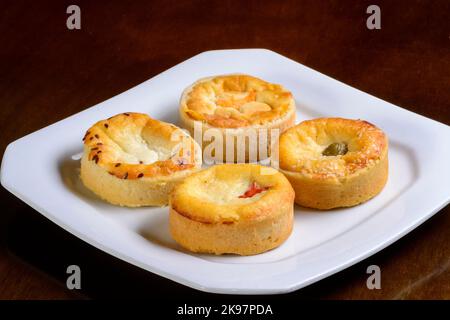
(49, 72)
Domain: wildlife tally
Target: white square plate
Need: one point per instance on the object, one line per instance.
(40, 170)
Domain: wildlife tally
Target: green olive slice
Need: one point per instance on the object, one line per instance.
(336, 149)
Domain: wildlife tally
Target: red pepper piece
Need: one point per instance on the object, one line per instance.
(253, 189)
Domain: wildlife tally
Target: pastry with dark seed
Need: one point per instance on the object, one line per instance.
(133, 160)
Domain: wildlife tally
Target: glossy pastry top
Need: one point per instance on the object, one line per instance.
(134, 146)
(331, 147)
(233, 101)
(231, 192)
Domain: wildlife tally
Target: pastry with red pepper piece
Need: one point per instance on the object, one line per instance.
(242, 209)
(133, 160)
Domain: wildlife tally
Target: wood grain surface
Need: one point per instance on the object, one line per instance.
(49, 72)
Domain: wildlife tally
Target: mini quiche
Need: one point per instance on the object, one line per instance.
(242, 209)
(334, 162)
(133, 160)
(248, 113)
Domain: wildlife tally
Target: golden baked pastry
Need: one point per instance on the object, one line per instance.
(334, 162)
(242, 209)
(236, 104)
(133, 160)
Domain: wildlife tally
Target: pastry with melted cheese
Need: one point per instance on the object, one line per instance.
(133, 160)
(235, 104)
(242, 209)
(334, 162)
